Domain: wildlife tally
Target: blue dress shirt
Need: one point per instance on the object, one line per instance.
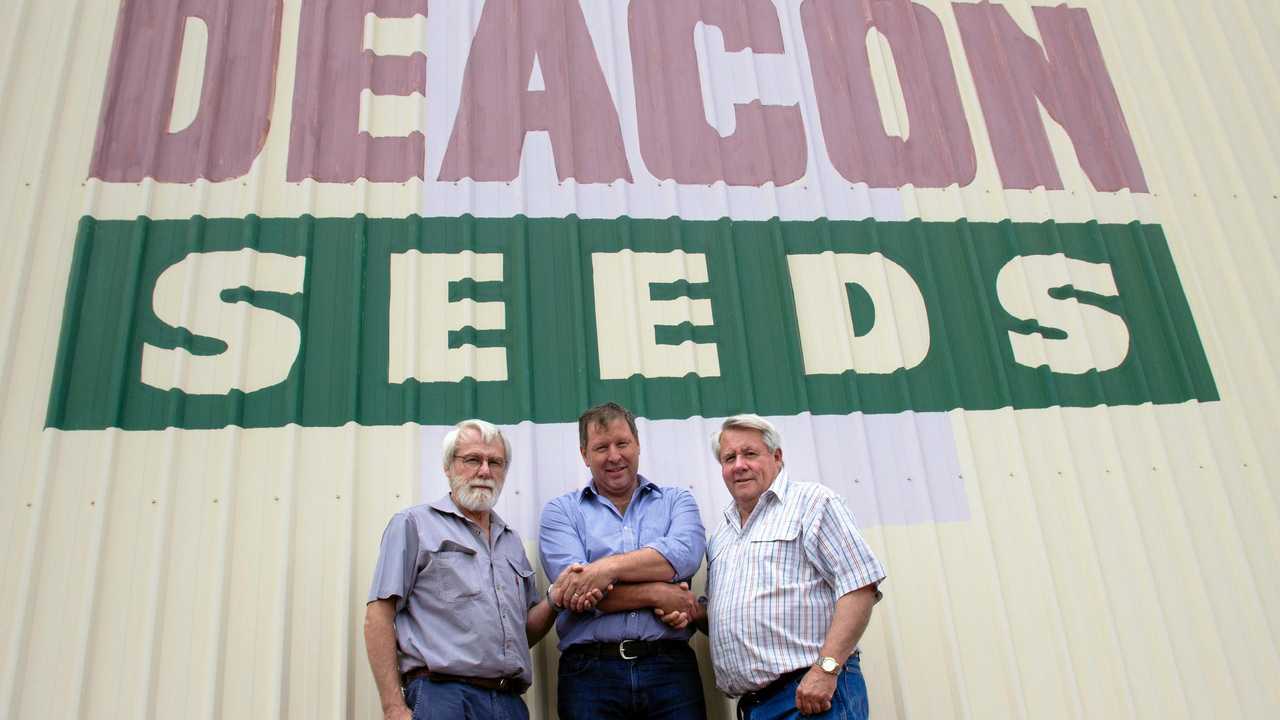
(583, 526)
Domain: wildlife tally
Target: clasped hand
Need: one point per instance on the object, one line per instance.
(580, 587)
(678, 607)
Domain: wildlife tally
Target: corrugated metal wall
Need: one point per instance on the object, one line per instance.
(1089, 537)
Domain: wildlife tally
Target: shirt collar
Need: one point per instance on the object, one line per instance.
(779, 489)
(643, 485)
(447, 506)
(781, 485)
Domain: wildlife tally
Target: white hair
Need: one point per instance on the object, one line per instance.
(748, 421)
(488, 433)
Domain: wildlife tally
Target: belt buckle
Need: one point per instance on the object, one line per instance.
(502, 684)
(622, 651)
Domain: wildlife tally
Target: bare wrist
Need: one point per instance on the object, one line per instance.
(394, 705)
(609, 568)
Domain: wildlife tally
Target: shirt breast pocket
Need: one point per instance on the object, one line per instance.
(777, 555)
(452, 572)
(517, 575)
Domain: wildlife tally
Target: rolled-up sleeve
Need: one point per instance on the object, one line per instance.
(558, 543)
(397, 561)
(836, 548)
(686, 540)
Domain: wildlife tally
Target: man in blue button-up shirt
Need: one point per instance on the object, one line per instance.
(638, 543)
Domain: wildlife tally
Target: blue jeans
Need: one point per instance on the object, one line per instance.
(848, 703)
(458, 701)
(665, 687)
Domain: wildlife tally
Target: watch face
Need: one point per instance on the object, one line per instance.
(828, 665)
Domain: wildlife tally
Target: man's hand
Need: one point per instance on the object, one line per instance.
(397, 713)
(675, 619)
(576, 600)
(677, 598)
(677, 607)
(815, 691)
(582, 583)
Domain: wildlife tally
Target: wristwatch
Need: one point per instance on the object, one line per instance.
(551, 601)
(828, 665)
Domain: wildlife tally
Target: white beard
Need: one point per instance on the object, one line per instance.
(473, 495)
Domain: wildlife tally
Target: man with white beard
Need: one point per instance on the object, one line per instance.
(453, 608)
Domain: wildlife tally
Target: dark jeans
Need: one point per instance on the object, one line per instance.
(848, 703)
(459, 701)
(665, 687)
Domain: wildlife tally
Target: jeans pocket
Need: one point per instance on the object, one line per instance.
(413, 693)
(575, 664)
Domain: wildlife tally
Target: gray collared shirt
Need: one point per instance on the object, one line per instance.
(461, 603)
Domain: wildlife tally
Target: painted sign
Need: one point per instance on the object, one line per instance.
(695, 209)
(707, 92)
(266, 322)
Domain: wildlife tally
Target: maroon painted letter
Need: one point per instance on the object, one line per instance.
(325, 141)
(675, 139)
(497, 109)
(235, 99)
(1068, 77)
(938, 150)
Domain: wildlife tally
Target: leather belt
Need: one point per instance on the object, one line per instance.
(755, 697)
(629, 649)
(513, 684)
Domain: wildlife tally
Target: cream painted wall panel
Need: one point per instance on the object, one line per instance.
(1237, 84)
(1134, 608)
(131, 565)
(190, 673)
(1254, 497)
(62, 578)
(929, 651)
(318, 603)
(988, 657)
(257, 616)
(1178, 559)
(1072, 556)
(1192, 624)
(1026, 583)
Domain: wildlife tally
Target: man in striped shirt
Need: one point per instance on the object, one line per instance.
(791, 585)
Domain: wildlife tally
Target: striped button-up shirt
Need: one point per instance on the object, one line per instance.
(773, 582)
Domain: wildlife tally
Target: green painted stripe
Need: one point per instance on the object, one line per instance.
(340, 374)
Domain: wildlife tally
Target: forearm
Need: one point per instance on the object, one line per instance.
(380, 644)
(852, 614)
(541, 618)
(638, 566)
(633, 596)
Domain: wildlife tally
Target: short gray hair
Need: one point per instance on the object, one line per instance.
(748, 421)
(488, 433)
